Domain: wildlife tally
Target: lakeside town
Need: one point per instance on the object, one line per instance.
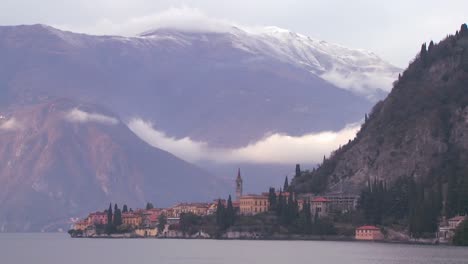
(271, 215)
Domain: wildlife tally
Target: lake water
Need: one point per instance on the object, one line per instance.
(59, 248)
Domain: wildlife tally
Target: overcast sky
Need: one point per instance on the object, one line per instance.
(393, 29)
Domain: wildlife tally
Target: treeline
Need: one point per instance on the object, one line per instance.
(225, 215)
(300, 221)
(405, 203)
(114, 219)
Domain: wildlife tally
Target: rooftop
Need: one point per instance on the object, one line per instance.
(368, 227)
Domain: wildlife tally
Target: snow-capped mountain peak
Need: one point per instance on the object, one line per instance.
(360, 71)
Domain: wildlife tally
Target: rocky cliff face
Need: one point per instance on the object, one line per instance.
(419, 130)
(62, 159)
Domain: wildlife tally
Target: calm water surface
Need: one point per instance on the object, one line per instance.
(59, 248)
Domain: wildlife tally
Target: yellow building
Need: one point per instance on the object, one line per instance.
(146, 232)
(81, 225)
(194, 208)
(253, 204)
(131, 219)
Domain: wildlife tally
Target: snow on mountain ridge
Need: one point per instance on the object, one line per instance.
(357, 70)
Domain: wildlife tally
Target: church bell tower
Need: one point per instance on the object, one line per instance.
(238, 186)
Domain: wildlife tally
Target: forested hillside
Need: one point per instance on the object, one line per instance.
(412, 150)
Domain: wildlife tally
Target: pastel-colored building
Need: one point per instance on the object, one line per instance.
(131, 219)
(97, 218)
(81, 225)
(200, 209)
(146, 232)
(369, 232)
(253, 204)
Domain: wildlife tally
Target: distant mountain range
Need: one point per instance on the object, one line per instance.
(66, 99)
(226, 89)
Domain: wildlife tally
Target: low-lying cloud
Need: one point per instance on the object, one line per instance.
(276, 148)
(78, 116)
(180, 18)
(11, 124)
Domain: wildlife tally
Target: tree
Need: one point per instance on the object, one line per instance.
(162, 222)
(461, 234)
(463, 31)
(286, 184)
(423, 54)
(109, 226)
(431, 46)
(117, 216)
(189, 223)
(149, 206)
(125, 209)
(298, 171)
(230, 214)
(220, 211)
(272, 199)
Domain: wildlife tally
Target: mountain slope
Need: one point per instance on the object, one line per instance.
(187, 83)
(419, 131)
(61, 159)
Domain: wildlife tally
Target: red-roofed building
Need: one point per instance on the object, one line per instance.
(369, 232)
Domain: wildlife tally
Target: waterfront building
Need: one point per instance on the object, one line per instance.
(369, 233)
(253, 204)
(146, 232)
(81, 225)
(447, 228)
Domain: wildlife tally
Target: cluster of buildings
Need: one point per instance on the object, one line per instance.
(250, 204)
(145, 221)
(253, 204)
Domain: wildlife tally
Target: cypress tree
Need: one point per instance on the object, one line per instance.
(117, 216)
(109, 226)
(162, 221)
(149, 206)
(109, 214)
(423, 54)
(286, 184)
(220, 212)
(230, 213)
(272, 200)
(125, 209)
(298, 171)
(463, 31)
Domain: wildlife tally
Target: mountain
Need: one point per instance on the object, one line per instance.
(61, 159)
(418, 132)
(224, 88)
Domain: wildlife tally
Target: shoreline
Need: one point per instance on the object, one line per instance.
(322, 238)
